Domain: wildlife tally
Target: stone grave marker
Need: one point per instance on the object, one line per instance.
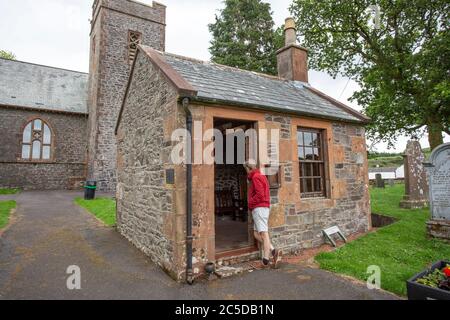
(416, 184)
(438, 170)
(379, 181)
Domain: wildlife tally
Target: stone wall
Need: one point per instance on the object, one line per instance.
(227, 178)
(146, 213)
(295, 222)
(109, 72)
(152, 214)
(347, 204)
(65, 171)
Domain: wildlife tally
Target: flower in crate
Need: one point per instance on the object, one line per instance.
(447, 271)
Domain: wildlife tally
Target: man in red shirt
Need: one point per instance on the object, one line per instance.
(259, 204)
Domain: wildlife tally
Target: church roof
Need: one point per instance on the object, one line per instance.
(27, 85)
(214, 83)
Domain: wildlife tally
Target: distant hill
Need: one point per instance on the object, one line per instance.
(389, 160)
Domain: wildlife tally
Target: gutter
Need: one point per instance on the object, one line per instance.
(225, 103)
(189, 237)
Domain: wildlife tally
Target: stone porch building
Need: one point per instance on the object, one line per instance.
(323, 176)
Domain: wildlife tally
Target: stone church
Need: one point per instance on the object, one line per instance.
(115, 125)
(57, 126)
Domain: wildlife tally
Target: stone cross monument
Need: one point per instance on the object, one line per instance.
(438, 170)
(416, 184)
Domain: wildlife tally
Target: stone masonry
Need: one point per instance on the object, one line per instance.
(295, 223)
(145, 204)
(152, 209)
(300, 224)
(227, 179)
(109, 71)
(65, 171)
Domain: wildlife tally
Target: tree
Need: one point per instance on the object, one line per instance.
(7, 55)
(244, 36)
(401, 62)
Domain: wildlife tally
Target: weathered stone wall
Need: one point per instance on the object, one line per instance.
(109, 72)
(295, 222)
(146, 213)
(227, 178)
(67, 168)
(152, 214)
(299, 224)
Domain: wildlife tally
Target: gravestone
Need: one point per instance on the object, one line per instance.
(379, 181)
(416, 183)
(438, 170)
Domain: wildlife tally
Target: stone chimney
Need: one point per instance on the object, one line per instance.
(292, 60)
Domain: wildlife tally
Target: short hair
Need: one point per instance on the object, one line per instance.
(250, 165)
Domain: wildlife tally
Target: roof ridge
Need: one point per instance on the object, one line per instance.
(223, 65)
(42, 65)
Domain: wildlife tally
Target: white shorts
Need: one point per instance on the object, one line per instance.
(261, 219)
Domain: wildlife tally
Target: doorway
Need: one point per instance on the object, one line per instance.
(233, 229)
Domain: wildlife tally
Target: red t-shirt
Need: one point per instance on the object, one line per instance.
(258, 192)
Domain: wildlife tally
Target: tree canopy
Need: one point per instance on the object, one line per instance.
(244, 36)
(400, 59)
(7, 55)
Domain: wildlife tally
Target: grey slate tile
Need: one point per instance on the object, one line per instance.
(218, 82)
(34, 86)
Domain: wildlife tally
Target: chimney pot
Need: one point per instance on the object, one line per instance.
(292, 59)
(290, 32)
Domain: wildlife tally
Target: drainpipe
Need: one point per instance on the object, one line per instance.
(189, 237)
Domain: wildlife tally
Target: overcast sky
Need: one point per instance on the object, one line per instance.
(56, 33)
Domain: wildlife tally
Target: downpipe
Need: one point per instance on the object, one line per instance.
(189, 237)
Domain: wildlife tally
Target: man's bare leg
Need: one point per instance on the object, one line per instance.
(267, 245)
(258, 237)
(259, 241)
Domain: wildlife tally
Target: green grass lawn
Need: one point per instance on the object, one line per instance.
(9, 191)
(103, 208)
(400, 250)
(5, 210)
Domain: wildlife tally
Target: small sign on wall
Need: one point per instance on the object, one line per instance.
(170, 176)
(273, 175)
(328, 233)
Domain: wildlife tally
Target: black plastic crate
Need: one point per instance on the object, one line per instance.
(417, 291)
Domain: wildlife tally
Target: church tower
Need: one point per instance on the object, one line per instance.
(117, 27)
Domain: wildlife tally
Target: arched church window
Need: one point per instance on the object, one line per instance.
(37, 141)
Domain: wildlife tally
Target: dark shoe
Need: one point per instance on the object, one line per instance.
(277, 256)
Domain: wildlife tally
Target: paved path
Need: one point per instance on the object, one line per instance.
(50, 233)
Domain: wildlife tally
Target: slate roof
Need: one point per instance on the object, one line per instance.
(28, 85)
(218, 83)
